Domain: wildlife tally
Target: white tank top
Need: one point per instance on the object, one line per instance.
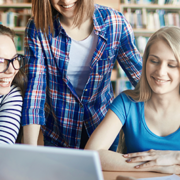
(81, 53)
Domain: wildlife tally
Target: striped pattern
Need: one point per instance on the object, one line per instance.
(51, 100)
(10, 115)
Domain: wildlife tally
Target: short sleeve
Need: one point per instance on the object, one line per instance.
(120, 106)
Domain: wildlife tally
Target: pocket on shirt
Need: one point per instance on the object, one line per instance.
(105, 63)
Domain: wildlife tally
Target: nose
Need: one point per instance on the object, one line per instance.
(162, 69)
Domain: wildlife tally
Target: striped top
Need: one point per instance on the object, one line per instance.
(10, 115)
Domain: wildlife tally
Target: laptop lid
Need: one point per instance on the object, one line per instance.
(24, 162)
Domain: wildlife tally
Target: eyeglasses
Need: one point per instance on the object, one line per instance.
(17, 63)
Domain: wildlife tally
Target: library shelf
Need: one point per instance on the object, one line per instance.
(149, 6)
(16, 5)
(19, 29)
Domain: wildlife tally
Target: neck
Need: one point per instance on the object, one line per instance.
(164, 103)
(79, 33)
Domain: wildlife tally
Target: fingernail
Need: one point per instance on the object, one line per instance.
(129, 160)
(136, 166)
(125, 155)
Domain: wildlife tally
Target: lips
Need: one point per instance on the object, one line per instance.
(160, 80)
(68, 6)
(5, 81)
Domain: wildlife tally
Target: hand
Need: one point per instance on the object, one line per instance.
(125, 178)
(154, 158)
(173, 169)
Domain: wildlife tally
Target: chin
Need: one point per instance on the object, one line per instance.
(4, 91)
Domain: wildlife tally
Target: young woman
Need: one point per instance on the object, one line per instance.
(148, 115)
(71, 47)
(11, 87)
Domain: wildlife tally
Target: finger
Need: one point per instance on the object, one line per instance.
(141, 159)
(146, 165)
(124, 178)
(145, 153)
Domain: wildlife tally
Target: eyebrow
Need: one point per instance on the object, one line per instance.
(159, 58)
(8, 59)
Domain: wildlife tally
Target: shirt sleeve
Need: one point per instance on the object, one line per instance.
(35, 68)
(129, 57)
(120, 106)
(10, 115)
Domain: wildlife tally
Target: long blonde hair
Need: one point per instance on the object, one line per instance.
(171, 35)
(43, 13)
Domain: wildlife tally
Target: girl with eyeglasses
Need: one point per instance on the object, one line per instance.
(12, 87)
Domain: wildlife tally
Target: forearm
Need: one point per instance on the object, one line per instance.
(31, 134)
(113, 161)
(178, 157)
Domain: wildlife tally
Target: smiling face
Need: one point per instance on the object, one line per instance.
(7, 51)
(162, 69)
(65, 7)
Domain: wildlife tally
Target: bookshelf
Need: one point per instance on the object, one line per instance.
(145, 17)
(15, 14)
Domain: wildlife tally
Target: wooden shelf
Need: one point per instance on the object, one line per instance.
(19, 29)
(16, 5)
(143, 31)
(150, 6)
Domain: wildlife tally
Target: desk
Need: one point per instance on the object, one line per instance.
(112, 175)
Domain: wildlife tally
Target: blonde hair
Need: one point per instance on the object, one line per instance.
(43, 13)
(170, 35)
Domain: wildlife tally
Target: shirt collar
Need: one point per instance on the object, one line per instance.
(100, 26)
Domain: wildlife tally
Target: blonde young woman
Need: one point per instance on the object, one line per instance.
(148, 115)
(12, 87)
(71, 47)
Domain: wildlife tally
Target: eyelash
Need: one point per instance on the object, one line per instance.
(156, 62)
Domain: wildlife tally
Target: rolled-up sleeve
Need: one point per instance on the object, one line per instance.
(35, 68)
(129, 57)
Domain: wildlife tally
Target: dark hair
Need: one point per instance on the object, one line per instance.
(43, 13)
(20, 78)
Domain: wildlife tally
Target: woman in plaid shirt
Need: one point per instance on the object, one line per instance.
(71, 47)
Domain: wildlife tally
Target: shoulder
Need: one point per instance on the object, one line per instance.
(123, 97)
(14, 92)
(30, 24)
(108, 14)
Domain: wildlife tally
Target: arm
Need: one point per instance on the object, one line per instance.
(31, 134)
(10, 115)
(33, 114)
(101, 140)
(154, 158)
(129, 57)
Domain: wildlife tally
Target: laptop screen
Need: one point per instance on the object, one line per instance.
(24, 162)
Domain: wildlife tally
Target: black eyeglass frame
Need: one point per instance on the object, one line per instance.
(11, 61)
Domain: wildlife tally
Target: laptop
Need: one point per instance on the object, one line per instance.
(24, 162)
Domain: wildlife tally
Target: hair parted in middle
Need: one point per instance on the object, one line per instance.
(171, 36)
(43, 13)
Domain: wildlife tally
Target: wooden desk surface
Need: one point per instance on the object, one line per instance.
(113, 175)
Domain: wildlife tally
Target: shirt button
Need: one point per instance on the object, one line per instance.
(86, 89)
(81, 105)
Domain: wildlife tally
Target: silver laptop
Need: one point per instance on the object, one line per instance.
(24, 162)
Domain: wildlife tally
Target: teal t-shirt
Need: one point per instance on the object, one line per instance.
(138, 137)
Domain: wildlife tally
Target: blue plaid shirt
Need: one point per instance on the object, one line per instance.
(50, 98)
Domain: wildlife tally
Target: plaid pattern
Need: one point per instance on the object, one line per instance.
(51, 100)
